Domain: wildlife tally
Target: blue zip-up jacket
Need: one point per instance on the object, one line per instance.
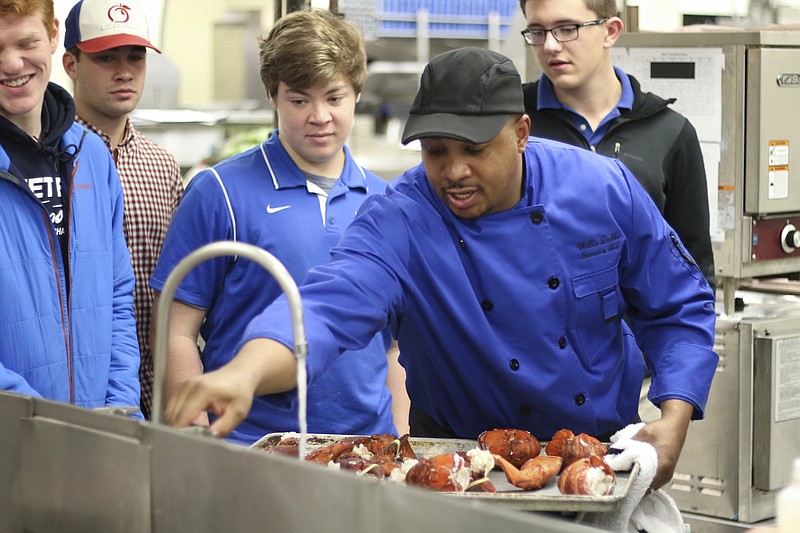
(515, 319)
(79, 346)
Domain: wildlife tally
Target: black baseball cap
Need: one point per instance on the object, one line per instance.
(465, 94)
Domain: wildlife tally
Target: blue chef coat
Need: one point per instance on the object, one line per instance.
(514, 319)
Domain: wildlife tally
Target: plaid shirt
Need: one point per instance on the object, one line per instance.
(152, 185)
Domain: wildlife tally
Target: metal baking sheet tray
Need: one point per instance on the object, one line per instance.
(548, 498)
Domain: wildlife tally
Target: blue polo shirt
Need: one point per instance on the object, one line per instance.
(547, 100)
(261, 197)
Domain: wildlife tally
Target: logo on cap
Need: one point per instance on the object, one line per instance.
(119, 13)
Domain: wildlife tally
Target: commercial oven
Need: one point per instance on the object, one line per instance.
(741, 90)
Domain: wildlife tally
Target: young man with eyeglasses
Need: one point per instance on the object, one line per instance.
(582, 99)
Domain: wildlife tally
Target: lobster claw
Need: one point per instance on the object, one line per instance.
(534, 474)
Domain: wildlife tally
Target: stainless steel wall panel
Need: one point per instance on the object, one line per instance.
(205, 485)
(776, 409)
(79, 479)
(13, 408)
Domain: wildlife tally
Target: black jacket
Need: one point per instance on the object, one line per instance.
(661, 148)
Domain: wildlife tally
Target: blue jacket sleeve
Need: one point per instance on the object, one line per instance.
(13, 382)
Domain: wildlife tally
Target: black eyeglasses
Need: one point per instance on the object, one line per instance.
(562, 34)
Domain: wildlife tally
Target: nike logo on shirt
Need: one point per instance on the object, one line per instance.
(271, 209)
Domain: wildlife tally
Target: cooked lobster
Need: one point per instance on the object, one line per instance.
(445, 473)
(514, 445)
(588, 476)
(571, 447)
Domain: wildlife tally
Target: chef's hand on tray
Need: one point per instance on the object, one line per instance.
(667, 436)
(262, 366)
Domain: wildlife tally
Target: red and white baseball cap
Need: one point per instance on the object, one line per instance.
(97, 25)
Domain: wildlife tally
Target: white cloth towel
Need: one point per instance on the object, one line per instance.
(641, 510)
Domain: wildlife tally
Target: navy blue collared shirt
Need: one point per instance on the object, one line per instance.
(548, 100)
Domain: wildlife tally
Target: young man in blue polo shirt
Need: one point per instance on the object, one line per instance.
(293, 196)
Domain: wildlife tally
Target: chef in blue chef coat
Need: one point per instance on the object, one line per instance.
(504, 265)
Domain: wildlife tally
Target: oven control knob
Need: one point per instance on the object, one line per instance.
(790, 238)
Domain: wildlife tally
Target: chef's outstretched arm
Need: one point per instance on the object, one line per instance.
(262, 366)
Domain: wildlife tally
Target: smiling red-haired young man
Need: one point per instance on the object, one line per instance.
(65, 274)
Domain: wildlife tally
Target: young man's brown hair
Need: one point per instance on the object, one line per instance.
(310, 48)
(603, 8)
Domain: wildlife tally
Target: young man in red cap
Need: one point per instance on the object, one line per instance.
(504, 265)
(106, 57)
(67, 331)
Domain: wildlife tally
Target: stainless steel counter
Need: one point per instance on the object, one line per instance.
(72, 469)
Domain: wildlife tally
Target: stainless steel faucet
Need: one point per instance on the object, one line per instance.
(288, 286)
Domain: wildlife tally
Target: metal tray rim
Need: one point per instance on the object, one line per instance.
(540, 500)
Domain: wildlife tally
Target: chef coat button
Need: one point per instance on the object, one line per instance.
(537, 217)
(562, 343)
(487, 305)
(580, 399)
(525, 409)
(462, 243)
(514, 364)
(553, 282)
